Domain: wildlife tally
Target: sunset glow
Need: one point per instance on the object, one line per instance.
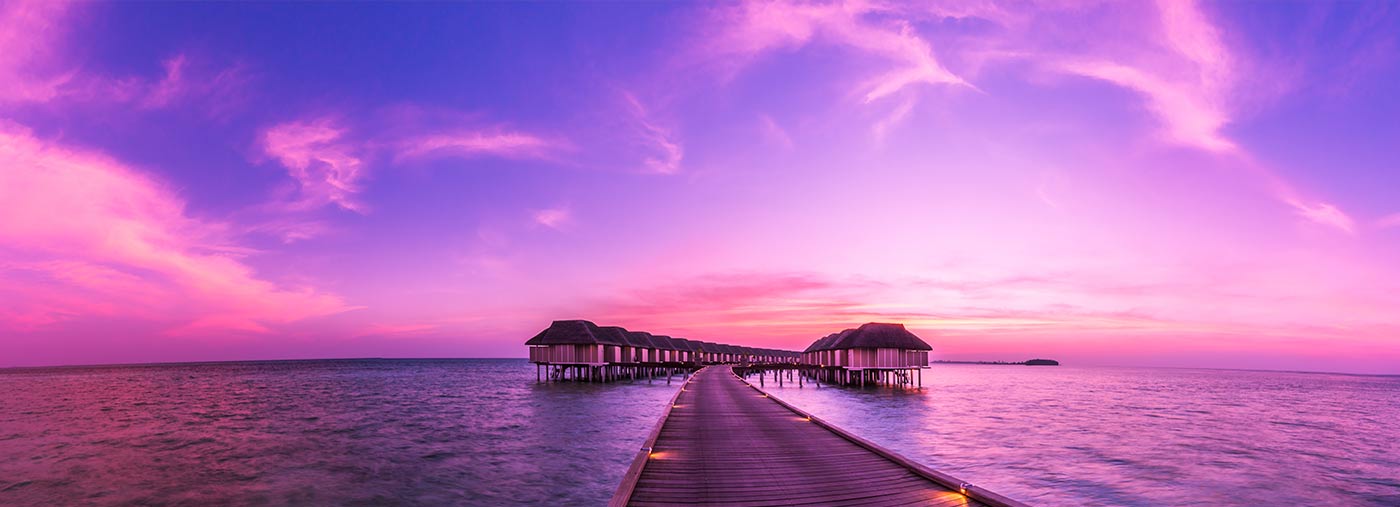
(1104, 183)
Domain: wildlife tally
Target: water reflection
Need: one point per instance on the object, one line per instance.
(1078, 436)
(470, 432)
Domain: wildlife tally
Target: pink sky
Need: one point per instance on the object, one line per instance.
(1104, 183)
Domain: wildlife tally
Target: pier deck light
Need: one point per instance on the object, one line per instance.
(962, 488)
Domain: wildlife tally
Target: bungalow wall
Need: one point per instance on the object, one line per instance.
(886, 358)
(567, 354)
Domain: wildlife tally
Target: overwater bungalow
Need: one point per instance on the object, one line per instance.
(874, 353)
(615, 342)
(645, 346)
(570, 347)
(566, 342)
(711, 352)
(628, 351)
(687, 349)
(665, 347)
(819, 352)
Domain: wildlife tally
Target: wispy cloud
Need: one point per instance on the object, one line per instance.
(1324, 214)
(752, 29)
(497, 143)
(104, 239)
(663, 151)
(327, 167)
(1190, 80)
(882, 128)
(554, 218)
(398, 330)
(35, 69)
(1389, 221)
(1185, 74)
(773, 132)
(1191, 118)
(218, 89)
(28, 34)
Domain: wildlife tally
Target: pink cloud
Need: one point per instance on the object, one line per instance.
(775, 133)
(1285, 295)
(1389, 221)
(330, 162)
(33, 68)
(1184, 72)
(326, 167)
(184, 80)
(28, 34)
(170, 87)
(483, 143)
(1191, 117)
(93, 237)
(664, 152)
(896, 116)
(553, 218)
(751, 29)
(1325, 214)
(392, 330)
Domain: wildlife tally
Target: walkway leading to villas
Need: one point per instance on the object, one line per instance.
(724, 442)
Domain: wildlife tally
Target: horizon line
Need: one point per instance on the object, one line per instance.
(380, 358)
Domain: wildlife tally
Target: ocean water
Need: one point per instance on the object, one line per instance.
(370, 432)
(1065, 436)
(482, 432)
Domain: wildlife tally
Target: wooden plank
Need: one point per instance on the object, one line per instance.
(723, 442)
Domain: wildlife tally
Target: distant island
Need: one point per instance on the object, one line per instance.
(1032, 362)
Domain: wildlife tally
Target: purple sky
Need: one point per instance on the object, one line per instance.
(1100, 182)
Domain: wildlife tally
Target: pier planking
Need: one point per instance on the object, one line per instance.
(724, 442)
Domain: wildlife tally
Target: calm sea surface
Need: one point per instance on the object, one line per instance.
(1065, 436)
(481, 432)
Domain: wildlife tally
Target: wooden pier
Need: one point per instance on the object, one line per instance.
(723, 441)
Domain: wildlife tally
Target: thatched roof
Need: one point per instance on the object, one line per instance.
(878, 335)
(663, 342)
(583, 332)
(824, 342)
(613, 335)
(642, 339)
(567, 332)
(684, 344)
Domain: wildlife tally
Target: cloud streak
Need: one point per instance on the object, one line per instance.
(663, 153)
(120, 243)
(752, 29)
(496, 143)
(554, 218)
(328, 169)
(28, 32)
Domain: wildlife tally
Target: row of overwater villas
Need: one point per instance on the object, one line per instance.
(580, 342)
